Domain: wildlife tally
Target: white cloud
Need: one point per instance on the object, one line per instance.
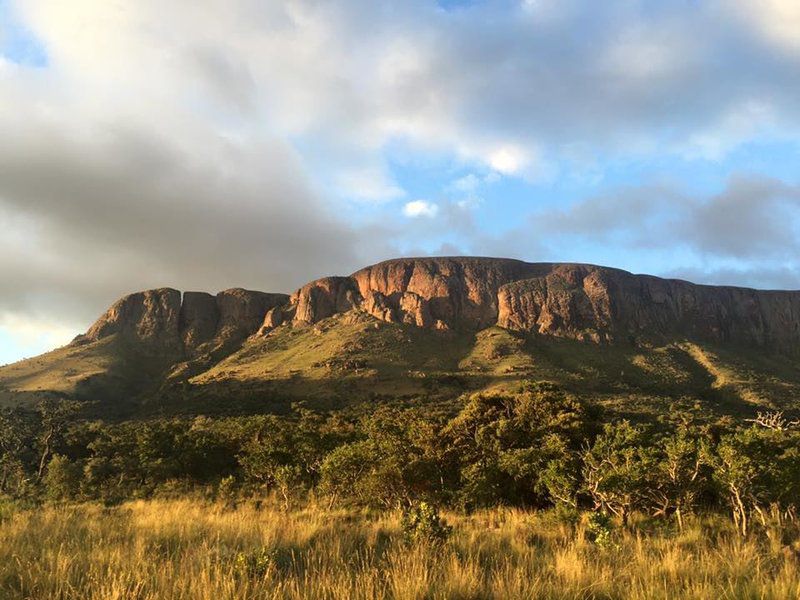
(368, 184)
(506, 160)
(467, 184)
(420, 208)
(33, 336)
(777, 20)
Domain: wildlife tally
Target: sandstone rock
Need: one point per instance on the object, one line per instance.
(274, 318)
(199, 318)
(152, 316)
(324, 298)
(242, 312)
(576, 301)
(161, 319)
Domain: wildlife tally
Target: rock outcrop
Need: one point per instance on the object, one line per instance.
(151, 317)
(164, 320)
(583, 302)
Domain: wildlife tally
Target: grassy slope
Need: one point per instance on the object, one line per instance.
(354, 359)
(355, 356)
(108, 370)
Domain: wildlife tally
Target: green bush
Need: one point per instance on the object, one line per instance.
(421, 522)
(600, 529)
(227, 491)
(63, 479)
(254, 563)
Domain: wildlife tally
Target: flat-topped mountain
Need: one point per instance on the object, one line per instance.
(403, 318)
(577, 301)
(565, 300)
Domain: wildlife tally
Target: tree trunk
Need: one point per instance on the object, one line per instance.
(45, 455)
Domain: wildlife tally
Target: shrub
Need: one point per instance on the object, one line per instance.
(600, 528)
(227, 491)
(421, 522)
(63, 479)
(254, 563)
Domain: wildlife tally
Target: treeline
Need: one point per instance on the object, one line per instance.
(537, 448)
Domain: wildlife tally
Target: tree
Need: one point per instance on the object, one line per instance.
(678, 476)
(756, 467)
(54, 416)
(17, 452)
(63, 478)
(617, 470)
(395, 463)
(504, 444)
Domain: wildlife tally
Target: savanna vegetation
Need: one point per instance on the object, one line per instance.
(531, 493)
(194, 549)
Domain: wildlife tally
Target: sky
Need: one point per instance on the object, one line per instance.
(262, 144)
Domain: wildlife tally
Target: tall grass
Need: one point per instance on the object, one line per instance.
(191, 549)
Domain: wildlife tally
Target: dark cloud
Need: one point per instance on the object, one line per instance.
(167, 145)
(133, 213)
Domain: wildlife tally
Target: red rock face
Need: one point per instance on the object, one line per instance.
(566, 300)
(161, 319)
(152, 316)
(574, 301)
(241, 312)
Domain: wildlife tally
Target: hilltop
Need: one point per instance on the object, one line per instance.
(432, 330)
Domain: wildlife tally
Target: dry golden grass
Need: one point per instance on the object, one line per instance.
(189, 549)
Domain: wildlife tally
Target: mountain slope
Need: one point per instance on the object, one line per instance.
(431, 330)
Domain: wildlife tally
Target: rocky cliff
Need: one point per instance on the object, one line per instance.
(576, 301)
(167, 321)
(566, 300)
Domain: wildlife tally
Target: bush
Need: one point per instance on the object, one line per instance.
(254, 563)
(227, 491)
(63, 479)
(421, 522)
(600, 528)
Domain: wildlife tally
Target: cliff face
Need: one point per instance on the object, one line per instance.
(566, 300)
(164, 320)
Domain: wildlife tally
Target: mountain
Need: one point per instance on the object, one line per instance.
(433, 330)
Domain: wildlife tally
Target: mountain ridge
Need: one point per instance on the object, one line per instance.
(425, 327)
(580, 301)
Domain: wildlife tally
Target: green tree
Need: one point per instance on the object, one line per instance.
(679, 474)
(617, 470)
(17, 451)
(756, 467)
(516, 448)
(395, 463)
(54, 415)
(62, 480)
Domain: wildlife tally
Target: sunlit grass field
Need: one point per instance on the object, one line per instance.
(198, 550)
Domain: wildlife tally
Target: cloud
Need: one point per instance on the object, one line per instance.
(205, 147)
(420, 208)
(747, 234)
(778, 21)
(29, 336)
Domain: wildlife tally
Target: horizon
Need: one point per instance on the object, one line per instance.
(266, 145)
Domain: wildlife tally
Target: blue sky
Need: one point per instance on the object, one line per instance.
(253, 144)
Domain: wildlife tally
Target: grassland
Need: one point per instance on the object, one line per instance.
(352, 359)
(192, 549)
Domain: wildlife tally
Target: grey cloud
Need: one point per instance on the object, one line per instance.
(754, 217)
(754, 223)
(134, 213)
(781, 278)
